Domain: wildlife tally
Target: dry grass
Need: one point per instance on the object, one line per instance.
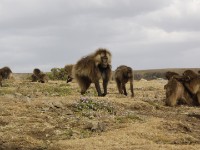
(55, 116)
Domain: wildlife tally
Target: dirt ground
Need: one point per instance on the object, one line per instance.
(54, 116)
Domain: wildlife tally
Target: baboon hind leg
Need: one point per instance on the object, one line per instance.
(1, 81)
(84, 84)
(198, 98)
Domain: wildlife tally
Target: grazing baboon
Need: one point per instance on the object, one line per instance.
(91, 69)
(123, 74)
(39, 76)
(5, 73)
(170, 74)
(177, 94)
(68, 70)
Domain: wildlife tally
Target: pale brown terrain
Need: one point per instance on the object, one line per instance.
(54, 116)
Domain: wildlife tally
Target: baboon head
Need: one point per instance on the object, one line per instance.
(39, 76)
(170, 74)
(189, 74)
(5, 73)
(36, 71)
(129, 72)
(68, 70)
(102, 58)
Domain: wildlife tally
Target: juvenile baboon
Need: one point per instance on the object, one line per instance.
(68, 70)
(39, 76)
(91, 69)
(177, 94)
(170, 74)
(123, 74)
(5, 73)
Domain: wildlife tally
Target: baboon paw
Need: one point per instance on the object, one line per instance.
(102, 95)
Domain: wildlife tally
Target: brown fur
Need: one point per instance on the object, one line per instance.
(91, 69)
(5, 73)
(177, 94)
(192, 83)
(68, 70)
(170, 74)
(39, 76)
(190, 74)
(123, 74)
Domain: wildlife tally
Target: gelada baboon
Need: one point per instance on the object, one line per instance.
(39, 76)
(191, 81)
(5, 73)
(68, 70)
(177, 94)
(91, 69)
(123, 74)
(170, 74)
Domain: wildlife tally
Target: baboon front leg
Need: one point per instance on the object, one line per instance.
(105, 84)
(119, 87)
(124, 88)
(131, 87)
(84, 84)
(98, 89)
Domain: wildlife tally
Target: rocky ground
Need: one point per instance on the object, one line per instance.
(54, 116)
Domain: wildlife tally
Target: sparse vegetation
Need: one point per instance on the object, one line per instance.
(57, 74)
(54, 115)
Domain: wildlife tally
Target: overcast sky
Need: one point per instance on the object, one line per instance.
(143, 34)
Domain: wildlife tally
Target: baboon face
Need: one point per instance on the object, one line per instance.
(190, 74)
(103, 59)
(170, 74)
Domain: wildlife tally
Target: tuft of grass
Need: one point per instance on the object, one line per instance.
(94, 105)
(128, 116)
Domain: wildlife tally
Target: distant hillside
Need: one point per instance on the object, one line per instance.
(158, 73)
(138, 74)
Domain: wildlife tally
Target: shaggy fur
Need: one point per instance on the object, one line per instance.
(91, 69)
